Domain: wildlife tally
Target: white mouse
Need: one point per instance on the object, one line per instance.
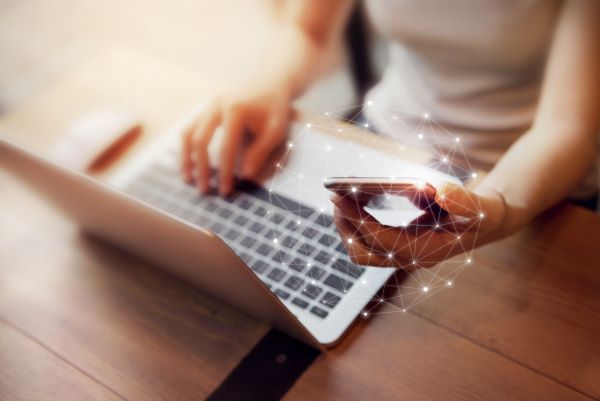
(95, 139)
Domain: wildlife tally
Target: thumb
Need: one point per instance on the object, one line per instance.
(458, 200)
(487, 207)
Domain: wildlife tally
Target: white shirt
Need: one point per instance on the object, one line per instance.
(475, 67)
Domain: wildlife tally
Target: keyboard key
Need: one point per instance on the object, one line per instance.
(277, 218)
(211, 206)
(330, 300)
(217, 227)
(272, 234)
(297, 265)
(315, 272)
(292, 225)
(248, 242)
(327, 240)
(259, 266)
(225, 213)
(323, 257)
(294, 282)
(282, 294)
(338, 283)
(322, 313)
(245, 204)
(306, 249)
(324, 220)
(289, 242)
(264, 249)
(256, 227)
(260, 211)
(280, 256)
(245, 257)
(348, 268)
(300, 303)
(276, 274)
(309, 232)
(241, 220)
(232, 234)
(312, 291)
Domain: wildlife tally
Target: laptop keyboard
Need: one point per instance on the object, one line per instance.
(294, 249)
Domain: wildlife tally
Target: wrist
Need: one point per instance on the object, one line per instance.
(511, 217)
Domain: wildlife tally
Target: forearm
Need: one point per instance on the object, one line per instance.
(538, 171)
(305, 37)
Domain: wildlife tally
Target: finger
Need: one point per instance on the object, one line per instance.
(203, 134)
(359, 253)
(186, 163)
(263, 146)
(233, 127)
(458, 200)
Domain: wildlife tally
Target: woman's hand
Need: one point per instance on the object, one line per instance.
(264, 115)
(473, 218)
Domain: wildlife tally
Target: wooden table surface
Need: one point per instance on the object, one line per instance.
(82, 320)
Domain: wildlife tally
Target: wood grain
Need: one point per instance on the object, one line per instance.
(403, 357)
(534, 298)
(144, 332)
(28, 372)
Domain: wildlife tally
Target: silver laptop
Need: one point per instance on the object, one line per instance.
(270, 250)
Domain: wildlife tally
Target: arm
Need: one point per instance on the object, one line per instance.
(304, 33)
(546, 164)
(539, 170)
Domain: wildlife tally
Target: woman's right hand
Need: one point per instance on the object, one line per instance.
(262, 114)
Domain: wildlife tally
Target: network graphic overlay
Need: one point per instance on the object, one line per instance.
(405, 144)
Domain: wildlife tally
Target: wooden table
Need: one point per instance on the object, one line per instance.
(82, 320)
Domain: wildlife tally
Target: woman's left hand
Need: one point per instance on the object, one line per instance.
(473, 218)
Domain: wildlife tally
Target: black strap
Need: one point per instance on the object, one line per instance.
(268, 371)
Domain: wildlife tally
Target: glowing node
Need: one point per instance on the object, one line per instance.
(403, 310)
(322, 209)
(481, 215)
(437, 226)
(420, 136)
(390, 255)
(366, 125)
(313, 282)
(457, 139)
(298, 222)
(353, 189)
(445, 160)
(350, 240)
(364, 281)
(449, 283)
(362, 222)
(381, 300)
(290, 145)
(308, 125)
(425, 289)
(275, 240)
(328, 147)
(469, 260)
(458, 237)
(339, 130)
(365, 314)
(426, 115)
(369, 103)
(474, 175)
(326, 113)
(414, 262)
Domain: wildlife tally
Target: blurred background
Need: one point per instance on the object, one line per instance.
(43, 40)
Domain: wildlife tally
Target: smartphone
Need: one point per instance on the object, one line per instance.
(393, 201)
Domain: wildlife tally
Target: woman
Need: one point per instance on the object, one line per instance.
(520, 80)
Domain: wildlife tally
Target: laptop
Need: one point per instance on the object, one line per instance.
(270, 250)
